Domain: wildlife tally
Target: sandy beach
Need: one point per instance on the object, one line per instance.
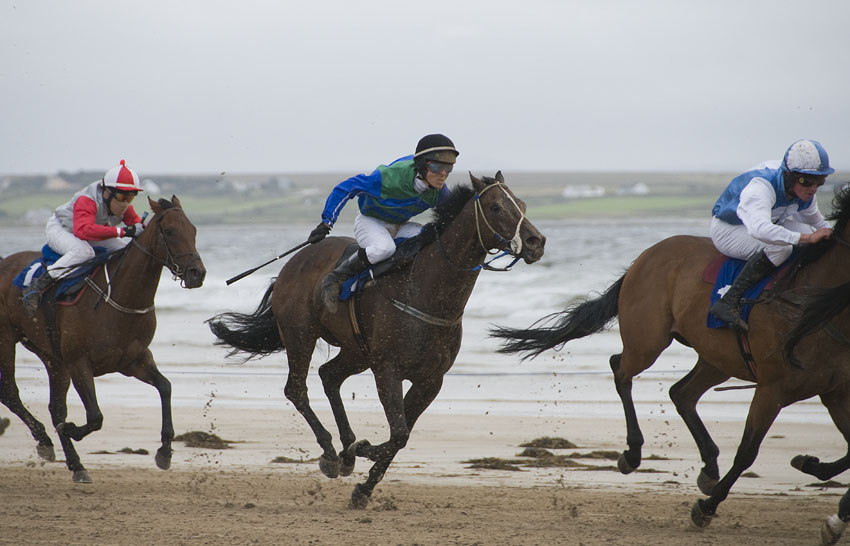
(430, 495)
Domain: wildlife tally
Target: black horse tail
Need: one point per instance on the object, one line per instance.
(254, 334)
(557, 329)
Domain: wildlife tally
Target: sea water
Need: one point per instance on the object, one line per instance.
(581, 260)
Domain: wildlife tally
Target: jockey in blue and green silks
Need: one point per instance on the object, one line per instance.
(388, 198)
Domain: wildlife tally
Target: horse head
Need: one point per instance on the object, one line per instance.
(500, 220)
(170, 238)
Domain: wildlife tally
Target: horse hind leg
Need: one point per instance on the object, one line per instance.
(333, 373)
(11, 398)
(685, 394)
(295, 390)
(630, 459)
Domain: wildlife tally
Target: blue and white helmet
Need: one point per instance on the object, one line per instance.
(807, 157)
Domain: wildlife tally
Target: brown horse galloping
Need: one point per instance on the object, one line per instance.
(107, 330)
(662, 297)
(411, 319)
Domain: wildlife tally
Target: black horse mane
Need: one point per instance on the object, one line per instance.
(824, 304)
(446, 211)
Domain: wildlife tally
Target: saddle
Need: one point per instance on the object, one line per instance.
(70, 287)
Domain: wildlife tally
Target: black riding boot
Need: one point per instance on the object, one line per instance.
(727, 308)
(355, 263)
(32, 294)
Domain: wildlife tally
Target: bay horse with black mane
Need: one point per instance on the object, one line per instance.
(410, 319)
(107, 330)
(798, 338)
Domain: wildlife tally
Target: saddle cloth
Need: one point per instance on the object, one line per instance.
(722, 272)
(70, 283)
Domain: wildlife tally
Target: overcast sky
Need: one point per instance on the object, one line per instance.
(191, 86)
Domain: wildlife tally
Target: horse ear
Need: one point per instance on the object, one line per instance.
(154, 206)
(175, 201)
(499, 177)
(477, 184)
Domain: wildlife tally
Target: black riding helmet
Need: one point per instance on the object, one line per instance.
(434, 147)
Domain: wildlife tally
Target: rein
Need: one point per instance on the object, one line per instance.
(169, 262)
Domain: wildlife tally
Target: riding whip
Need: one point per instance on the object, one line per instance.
(246, 273)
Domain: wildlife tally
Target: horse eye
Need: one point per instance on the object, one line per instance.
(168, 232)
(495, 207)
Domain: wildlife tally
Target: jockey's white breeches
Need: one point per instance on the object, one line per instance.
(377, 236)
(733, 240)
(73, 250)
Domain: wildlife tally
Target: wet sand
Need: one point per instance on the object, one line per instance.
(430, 495)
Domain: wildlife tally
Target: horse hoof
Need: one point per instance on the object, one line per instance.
(328, 466)
(359, 497)
(699, 517)
(346, 468)
(163, 461)
(832, 529)
(802, 462)
(706, 483)
(46, 452)
(623, 465)
(4, 422)
(357, 448)
(81, 476)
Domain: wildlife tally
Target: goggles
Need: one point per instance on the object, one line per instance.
(809, 181)
(437, 167)
(124, 196)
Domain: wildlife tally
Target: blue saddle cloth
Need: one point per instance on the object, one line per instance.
(728, 273)
(48, 256)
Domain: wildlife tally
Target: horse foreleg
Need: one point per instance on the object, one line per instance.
(145, 370)
(763, 411)
(333, 374)
(59, 383)
(629, 460)
(838, 405)
(419, 396)
(296, 392)
(11, 398)
(685, 394)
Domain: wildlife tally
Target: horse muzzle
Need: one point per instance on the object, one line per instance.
(532, 247)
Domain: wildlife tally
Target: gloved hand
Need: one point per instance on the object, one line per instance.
(134, 230)
(319, 233)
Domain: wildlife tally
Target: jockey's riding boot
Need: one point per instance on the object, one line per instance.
(32, 295)
(331, 284)
(727, 308)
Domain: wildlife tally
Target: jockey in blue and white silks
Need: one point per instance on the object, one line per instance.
(763, 213)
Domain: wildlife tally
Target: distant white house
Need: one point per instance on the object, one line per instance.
(582, 191)
(638, 188)
(151, 187)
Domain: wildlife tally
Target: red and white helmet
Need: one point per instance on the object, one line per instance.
(122, 178)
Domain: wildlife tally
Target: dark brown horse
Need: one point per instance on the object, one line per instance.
(108, 330)
(411, 320)
(662, 297)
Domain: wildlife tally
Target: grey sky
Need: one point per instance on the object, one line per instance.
(340, 85)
